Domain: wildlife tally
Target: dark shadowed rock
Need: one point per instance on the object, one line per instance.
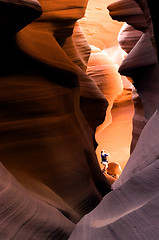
(14, 15)
(47, 143)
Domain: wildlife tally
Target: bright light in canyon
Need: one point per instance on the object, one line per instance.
(101, 32)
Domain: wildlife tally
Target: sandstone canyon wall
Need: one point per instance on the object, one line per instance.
(101, 33)
(50, 172)
(130, 211)
(49, 111)
(136, 38)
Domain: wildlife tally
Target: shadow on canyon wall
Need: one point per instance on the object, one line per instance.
(49, 110)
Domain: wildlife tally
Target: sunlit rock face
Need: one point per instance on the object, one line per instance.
(63, 10)
(101, 33)
(92, 102)
(104, 73)
(47, 132)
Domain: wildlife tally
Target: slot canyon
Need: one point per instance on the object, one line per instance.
(78, 77)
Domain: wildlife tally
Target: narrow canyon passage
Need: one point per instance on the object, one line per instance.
(101, 32)
(56, 88)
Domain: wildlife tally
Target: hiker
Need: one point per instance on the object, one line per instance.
(104, 161)
(111, 169)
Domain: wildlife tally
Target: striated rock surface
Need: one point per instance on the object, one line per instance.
(141, 63)
(104, 73)
(128, 37)
(130, 211)
(50, 177)
(24, 216)
(128, 11)
(101, 33)
(47, 143)
(92, 102)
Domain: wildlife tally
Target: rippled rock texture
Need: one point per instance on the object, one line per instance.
(101, 33)
(130, 211)
(49, 110)
(137, 39)
(50, 172)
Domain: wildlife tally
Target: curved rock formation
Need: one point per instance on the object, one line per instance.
(104, 73)
(130, 211)
(50, 177)
(128, 12)
(24, 216)
(128, 37)
(141, 62)
(101, 32)
(46, 142)
(17, 14)
(99, 29)
(92, 102)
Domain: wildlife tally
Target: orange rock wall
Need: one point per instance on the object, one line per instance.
(47, 128)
